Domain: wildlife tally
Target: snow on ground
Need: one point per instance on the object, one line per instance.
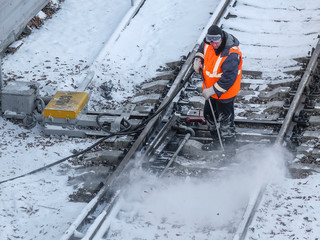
(37, 207)
(58, 56)
(293, 206)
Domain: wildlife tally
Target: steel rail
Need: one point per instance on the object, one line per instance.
(287, 124)
(113, 182)
(297, 98)
(256, 197)
(249, 213)
(154, 144)
(95, 226)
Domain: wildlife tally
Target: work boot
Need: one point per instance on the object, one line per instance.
(230, 146)
(227, 131)
(227, 127)
(228, 135)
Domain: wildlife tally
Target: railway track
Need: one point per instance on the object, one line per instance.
(277, 105)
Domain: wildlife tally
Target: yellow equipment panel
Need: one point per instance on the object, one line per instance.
(66, 104)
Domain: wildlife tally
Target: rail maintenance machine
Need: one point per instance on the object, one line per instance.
(66, 113)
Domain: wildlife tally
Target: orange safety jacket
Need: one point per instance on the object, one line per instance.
(212, 72)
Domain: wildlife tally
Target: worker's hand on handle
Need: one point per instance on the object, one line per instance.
(197, 65)
(206, 93)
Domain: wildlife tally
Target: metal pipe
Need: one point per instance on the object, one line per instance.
(188, 129)
(186, 138)
(213, 115)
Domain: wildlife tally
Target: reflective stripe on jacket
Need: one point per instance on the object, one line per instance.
(212, 72)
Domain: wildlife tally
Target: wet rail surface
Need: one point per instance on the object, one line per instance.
(277, 104)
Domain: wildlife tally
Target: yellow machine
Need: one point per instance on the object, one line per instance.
(66, 113)
(66, 105)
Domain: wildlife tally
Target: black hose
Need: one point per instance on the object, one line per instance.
(59, 161)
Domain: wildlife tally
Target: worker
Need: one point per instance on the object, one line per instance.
(219, 59)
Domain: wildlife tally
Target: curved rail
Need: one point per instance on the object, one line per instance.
(113, 180)
(107, 195)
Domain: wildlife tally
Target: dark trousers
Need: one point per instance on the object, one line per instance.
(224, 113)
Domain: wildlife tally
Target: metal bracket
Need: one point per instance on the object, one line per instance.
(126, 113)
